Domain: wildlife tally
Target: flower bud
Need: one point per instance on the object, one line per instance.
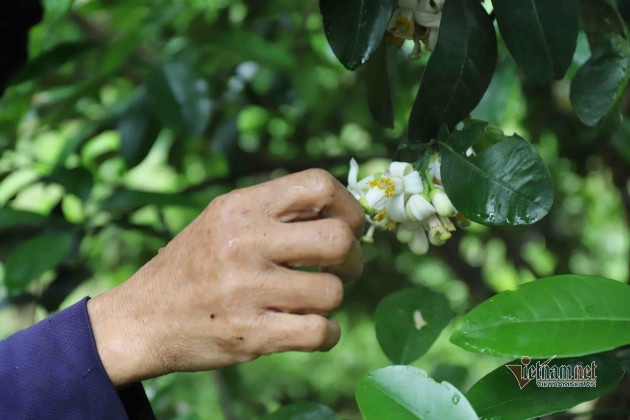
(442, 203)
(404, 234)
(418, 208)
(419, 244)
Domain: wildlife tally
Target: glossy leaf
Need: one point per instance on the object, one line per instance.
(567, 315)
(498, 396)
(402, 340)
(505, 184)
(32, 258)
(458, 72)
(12, 218)
(302, 411)
(601, 21)
(138, 131)
(600, 82)
(50, 61)
(379, 94)
(540, 34)
(406, 393)
(354, 28)
(179, 98)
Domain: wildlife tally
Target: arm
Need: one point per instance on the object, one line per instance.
(221, 292)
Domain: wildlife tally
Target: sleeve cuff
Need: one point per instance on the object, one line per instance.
(53, 370)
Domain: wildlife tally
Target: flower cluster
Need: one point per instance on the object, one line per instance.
(417, 20)
(402, 200)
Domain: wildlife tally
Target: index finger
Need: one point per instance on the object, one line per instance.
(313, 194)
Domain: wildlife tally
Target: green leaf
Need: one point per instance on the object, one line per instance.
(179, 98)
(50, 61)
(405, 392)
(56, 9)
(251, 46)
(505, 184)
(599, 84)
(567, 315)
(601, 21)
(497, 395)
(12, 218)
(138, 131)
(32, 258)
(396, 329)
(354, 28)
(302, 411)
(458, 72)
(540, 34)
(379, 92)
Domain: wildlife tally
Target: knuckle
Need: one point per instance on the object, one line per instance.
(324, 183)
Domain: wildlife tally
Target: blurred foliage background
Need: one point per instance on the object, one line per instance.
(132, 116)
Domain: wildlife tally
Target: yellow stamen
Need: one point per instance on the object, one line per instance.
(404, 26)
(385, 184)
(381, 215)
(390, 225)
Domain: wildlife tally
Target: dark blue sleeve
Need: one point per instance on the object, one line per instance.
(52, 370)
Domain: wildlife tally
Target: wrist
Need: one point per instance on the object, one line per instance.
(122, 338)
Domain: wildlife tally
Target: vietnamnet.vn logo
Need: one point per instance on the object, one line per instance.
(555, 375)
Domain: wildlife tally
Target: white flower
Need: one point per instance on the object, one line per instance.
(402, 24)
(405, 232)
(429, 14)
(435, 168)
(418, 208)
(442, 203)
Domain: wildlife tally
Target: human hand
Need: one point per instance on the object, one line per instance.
(223, 292)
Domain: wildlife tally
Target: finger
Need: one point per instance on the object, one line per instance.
(311, 194)
(351, 268)
(302, 292)
(324, 243)
(301, 333)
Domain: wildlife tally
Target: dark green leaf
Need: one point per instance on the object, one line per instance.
(540, 34)
(462, 139)
(458, 72)
(505, 184)
(600, 82)
(138, 131)
(497, 395)
(354, 28)
(32, 258)
(379, 92)
(67, 280)
(126, 201)
(179, 98)
(406, 393)
(400, 338)
(302, 411)
(12, 218)
(78, 181)
(567, 315)
(49, 61)
(601, 21)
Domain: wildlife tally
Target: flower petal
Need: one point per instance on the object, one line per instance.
(413, 183)
(429, 20)
(395, 208)
(418, 208)
(400, 169)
